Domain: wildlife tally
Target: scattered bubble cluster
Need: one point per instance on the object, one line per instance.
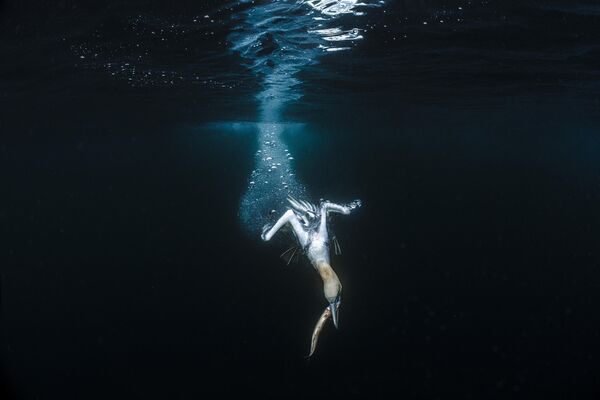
(273, 178)
(147, 51)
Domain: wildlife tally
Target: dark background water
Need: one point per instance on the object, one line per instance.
(472, 271)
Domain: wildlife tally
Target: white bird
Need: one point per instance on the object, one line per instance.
(309, 224)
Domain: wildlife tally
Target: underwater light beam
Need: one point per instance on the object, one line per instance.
(273, 179)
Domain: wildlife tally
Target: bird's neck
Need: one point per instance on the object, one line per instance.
(327, 273)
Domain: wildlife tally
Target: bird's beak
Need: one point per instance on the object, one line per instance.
(333, 307)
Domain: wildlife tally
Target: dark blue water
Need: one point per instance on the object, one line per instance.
(129, 133)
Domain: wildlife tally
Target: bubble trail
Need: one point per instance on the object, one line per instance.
(277, 39)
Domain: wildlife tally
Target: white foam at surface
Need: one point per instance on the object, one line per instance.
(335, 7)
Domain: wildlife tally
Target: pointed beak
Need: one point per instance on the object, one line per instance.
(333, 307)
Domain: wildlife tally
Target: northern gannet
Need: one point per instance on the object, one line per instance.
(309, 224)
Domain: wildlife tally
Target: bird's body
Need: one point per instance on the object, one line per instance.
(309, 224)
